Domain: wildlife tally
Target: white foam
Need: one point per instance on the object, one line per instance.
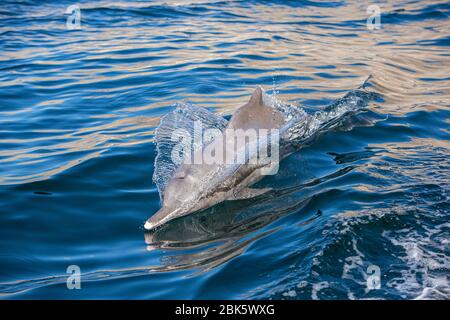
(317, 287)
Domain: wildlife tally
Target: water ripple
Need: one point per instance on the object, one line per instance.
(78, 113)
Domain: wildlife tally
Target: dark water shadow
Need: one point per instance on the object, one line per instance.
(207, 239)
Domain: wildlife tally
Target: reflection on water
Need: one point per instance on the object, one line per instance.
(227, 226)
(232, 225)
(78, 110)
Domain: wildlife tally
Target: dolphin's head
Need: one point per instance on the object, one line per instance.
(181, 197)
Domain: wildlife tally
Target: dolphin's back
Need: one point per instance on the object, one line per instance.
(297, 128)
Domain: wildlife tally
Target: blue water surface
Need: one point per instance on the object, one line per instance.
(78, 112)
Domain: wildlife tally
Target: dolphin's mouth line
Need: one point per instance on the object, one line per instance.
(149, 226)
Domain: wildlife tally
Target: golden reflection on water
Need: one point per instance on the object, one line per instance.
(315, 43)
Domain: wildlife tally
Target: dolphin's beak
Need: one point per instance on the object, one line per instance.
(161, 216)
(148, 225)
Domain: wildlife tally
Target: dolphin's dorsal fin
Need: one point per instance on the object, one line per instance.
(257, 97)
(256, 115)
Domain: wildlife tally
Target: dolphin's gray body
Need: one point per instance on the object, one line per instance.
(188, 188)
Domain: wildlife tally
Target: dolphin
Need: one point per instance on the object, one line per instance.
(186, 187)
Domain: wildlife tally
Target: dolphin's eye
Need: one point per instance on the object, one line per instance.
(180, 175)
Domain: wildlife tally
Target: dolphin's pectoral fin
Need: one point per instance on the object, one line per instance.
(248, 193)
(256, 115)
(173, 130)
